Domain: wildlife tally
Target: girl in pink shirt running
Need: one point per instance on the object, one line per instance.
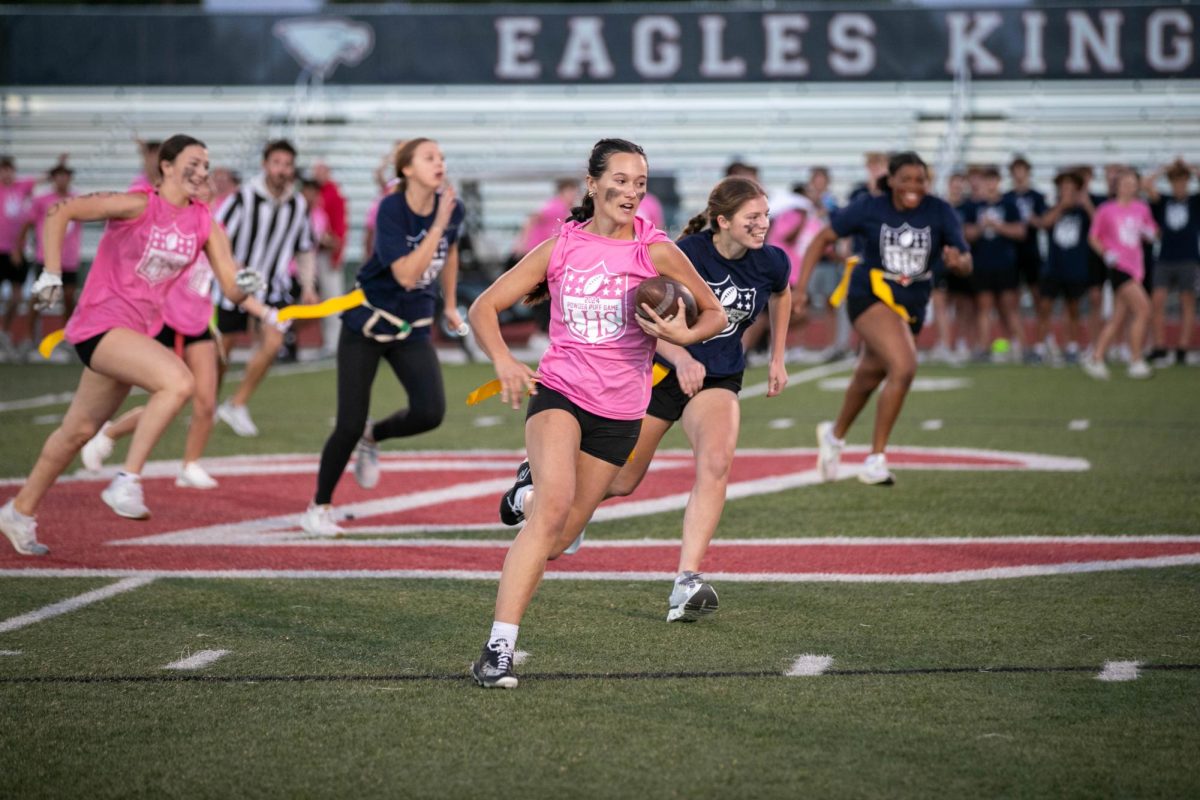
(149, 243)
(1117, 232)
(592, 386)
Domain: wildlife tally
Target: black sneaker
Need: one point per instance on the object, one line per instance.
(493, 670)
(509, 513)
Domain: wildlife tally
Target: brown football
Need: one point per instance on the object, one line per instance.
(662, 294)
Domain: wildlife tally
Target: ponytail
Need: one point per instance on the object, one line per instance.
(695, 224)
(584, 211)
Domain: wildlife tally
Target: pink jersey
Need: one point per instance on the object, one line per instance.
(545, 224)
(1120, 229)
(189, 304)
(651, 210)
(137, 262)
(13, 199)
(72, 242)
(598, 357)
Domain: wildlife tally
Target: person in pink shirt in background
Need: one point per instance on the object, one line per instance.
(1118, 229)
(592, 386)
(14, 199)
(60, 178)
(336, 210)
(150, 175)
(330, 280)
(149, 242)
(651, 210)
(540, 226)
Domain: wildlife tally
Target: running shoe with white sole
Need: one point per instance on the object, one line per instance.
(691, 598)
(366, 463)
(875, 471)
(494, 669)
(319, 521)
(98, 448)
(829, 451)
(1139, 370)
(512, 512)
(1095, 368)
(124, 496)
(574, 546)
(238, 418)
(21, 530)
(194, 476)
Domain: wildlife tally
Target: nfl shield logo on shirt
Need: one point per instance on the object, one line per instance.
(168, 251)
(593, 303)
(738, 303)
(904, 250)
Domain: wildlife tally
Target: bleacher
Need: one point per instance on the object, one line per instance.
(513, 141)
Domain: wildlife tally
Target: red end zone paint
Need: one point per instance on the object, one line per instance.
(249, 525)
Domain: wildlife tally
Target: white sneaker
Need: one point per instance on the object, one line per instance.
(829, 451)
(366, 463)
(238, 418)
(319, 521)
(1139, 370)
(875, 471)
(574, 546)
(193, 476)
(21, 531)
(1095, 368)
(124, 496)
(98, 448)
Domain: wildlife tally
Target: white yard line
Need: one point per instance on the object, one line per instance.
(931, 425)
(10, 652)
(40, 401)
(1078, 425)
(75, 603)
(198, 660)
(1119, 671)
(809, 665)
(803, 376)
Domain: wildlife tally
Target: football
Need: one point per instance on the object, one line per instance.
(662, 294)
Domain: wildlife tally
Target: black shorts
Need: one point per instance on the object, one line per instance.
(1097, 270)
(667, 400)
(87, 347)
(167, 337)
(610, 440)
(1118, 278)
(959, 284)
(995, 280)
(13, 273)
(1029, 268)
(1052, 287)
(238, 321)
(68, 278)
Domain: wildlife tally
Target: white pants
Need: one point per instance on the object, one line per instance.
(331, 282)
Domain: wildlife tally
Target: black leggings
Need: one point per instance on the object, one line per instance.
(416, 365)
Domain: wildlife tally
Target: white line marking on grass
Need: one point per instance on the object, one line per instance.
(520, 657)
(931, 425)
(198, 660)
(10, 652)
(1117, 671)
(47, 419)
(40, 401)
(809, 665)
(486, 422)
(803, 376)
(74, 603)
(918, 384)
(1078, 425)
(781, 424)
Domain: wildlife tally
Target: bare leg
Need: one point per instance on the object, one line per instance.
(869, 372)
(985, 302)
(1010, 312)
(1187, 318)
(941, 316)
(1158, 319)
(1074, 326)
(270, 340)
(1111, 328)
(631, 475)
(711, 422)
(201, 358)
(891, 341)
(1045, 309)
(1095, 319)
(1139, 307)
(125, 424)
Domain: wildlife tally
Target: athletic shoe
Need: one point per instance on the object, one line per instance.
(510, 513)
(124, 496)
(319, 521)
(829, 451)
(1095, 368)
(494, 670)
(366, 463)
(691, 598)
(21, 531)
(1140, 370)
(574, 546)
(98, 448)
(193, 476)
(875, 471)
(238, 418)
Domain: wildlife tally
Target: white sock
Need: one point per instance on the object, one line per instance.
(504, 635)
(519, 498)
(129, 476)
(833, 440)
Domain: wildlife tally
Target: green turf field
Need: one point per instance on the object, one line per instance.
(358, 687)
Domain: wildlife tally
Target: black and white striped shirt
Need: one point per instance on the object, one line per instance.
(265, 234)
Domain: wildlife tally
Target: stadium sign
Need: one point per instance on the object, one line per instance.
(600, 44)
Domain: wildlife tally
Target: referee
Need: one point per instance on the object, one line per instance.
(268, 227)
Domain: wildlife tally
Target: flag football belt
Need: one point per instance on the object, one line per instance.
(403, 327)
(492, 387)
(879, 287)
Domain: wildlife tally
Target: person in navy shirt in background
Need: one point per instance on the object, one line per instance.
(416, 241)
(1066, 273)
(906, 232)
(1178, 217)
(727, 245)
(993, 226)
(1032, 204)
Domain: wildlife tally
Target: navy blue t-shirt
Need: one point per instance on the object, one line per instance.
(1068, 253)
(742, 287)
(993, 251)
(1179, 221)
(1031, 203)
(398, 231)
(907, 243)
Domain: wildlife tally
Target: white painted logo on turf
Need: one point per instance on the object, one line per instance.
(593, 303)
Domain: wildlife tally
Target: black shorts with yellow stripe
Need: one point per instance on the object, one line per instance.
(913, 298)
